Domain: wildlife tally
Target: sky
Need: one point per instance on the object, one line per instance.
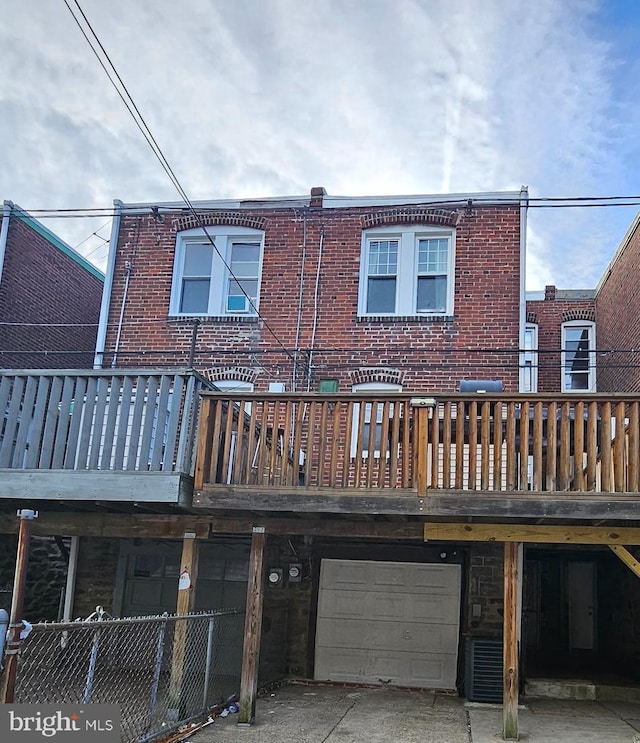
(258, 98)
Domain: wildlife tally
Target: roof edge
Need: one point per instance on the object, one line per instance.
(56, 241)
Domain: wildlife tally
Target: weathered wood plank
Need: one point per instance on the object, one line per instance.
(169, 460)
(113, 406)
(320, 527)
(184, 605)
(86, 428)
(95, 485)
(512, 579)
(541, 533)
(144, 526)
(26, 421)
(76, 414)
(11, 420)
(252, 629)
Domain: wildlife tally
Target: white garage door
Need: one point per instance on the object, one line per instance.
(388, 622)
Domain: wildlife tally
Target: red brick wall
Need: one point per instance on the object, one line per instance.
(44, 286)
(433, 353)
(618, 327)
(549, 314)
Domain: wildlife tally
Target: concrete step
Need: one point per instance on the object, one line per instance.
(580, 689)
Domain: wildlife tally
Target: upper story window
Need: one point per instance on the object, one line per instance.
(529, 360)
(578, 356)
(407, 270)
(221, 280)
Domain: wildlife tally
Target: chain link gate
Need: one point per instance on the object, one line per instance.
(161, 670)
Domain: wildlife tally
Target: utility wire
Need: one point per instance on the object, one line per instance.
(156, 149)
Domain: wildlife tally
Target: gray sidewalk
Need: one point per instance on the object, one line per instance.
(318, 714)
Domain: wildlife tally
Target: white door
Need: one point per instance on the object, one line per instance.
(388, 622)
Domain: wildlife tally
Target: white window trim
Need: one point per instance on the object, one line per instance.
(223, 237)
(407, 272)
(529, 375)
(355, 433)
(592, 355)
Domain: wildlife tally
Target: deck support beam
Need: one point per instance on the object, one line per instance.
(252, 629)
(512, 579)
(184, 605)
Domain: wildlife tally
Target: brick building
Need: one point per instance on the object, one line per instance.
(419, 292)
(388, 503)
(49, 297)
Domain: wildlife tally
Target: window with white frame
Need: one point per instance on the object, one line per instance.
(529, 360)
(373, 413)
(407, 270)
(221, 280)
(578, 356)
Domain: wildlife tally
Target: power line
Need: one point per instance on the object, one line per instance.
(155, 147)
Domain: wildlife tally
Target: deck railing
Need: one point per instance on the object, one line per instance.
(545, 443)
(99, 420)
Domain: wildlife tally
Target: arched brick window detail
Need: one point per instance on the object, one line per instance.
(581, 314)
(233, 219)
(411, 215)
(236, 373)
(377, 375)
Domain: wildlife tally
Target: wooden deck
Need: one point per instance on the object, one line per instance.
(529, 456)
(122, 436)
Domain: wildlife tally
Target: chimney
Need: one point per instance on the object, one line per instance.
(549, 292)
(317, 194)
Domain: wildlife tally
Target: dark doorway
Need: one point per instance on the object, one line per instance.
(577, 613)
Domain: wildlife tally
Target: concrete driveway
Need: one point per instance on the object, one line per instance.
(318, 714)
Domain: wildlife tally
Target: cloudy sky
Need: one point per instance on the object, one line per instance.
(252, 98)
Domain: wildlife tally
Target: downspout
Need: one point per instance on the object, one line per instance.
(127, 278)
(524, 205)
(101, 337)
(4, 233)
(316, 298)
(300, 292)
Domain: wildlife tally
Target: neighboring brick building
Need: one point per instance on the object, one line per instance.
(553, 322)
(617, 312)
(414, 291)
(49, 297)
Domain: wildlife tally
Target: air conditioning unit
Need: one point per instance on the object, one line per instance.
(483, 665)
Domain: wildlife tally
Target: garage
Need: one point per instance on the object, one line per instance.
(388, 623)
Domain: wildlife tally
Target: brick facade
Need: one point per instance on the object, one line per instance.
(480, 341)
(617, 310)
(46, 291)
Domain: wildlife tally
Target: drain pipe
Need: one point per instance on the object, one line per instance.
(127, 277)
(316, 300)
(101, 337)
(4, 232)
(300, 299)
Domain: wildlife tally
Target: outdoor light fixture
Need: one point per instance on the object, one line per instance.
(295, 572)
(274, 577)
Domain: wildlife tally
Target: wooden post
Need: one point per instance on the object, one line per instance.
(9, 673)
(421, 407)
(510, 647)
(252, 629)
(186, 598)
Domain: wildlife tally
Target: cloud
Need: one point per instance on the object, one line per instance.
(262, 98)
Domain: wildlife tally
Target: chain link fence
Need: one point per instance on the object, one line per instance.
(161, 671)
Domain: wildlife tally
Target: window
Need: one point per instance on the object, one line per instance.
(407, 271)
(529, 360)
(218, 282)
(371, 414)
(578, 357)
